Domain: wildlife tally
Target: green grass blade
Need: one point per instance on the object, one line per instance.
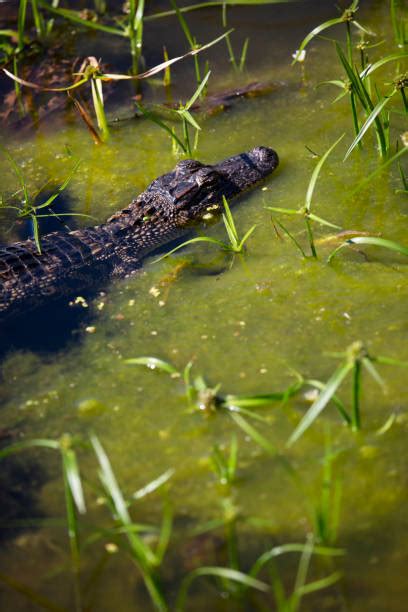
(291, 236)
(36, 232)
(160, 123)
(73, 16)
(379, 170)
(61, 188)
(192, 241)
(17, 171)
(153, 363)
(323, 221)
(369, 366)
(229, 222)
(246, 412)
(40, 442)
(381, 62)
(253, 433)
(381, 242)
(318, 585)
(321, 402)
(317, 384)
(153, 485)
(142, 552)
(245, 237)
(218, 572)
(369, 121)
(277, 551)
(390, 361)
(315, 174)
(165, 533)
(371, 241)
(355, 82)
(286, 211)
(21, 19)
(73, 478)
(198, 91)
(316, 31)
(183, 24)
(189, 118)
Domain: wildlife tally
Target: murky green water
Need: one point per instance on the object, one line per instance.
(248, 329)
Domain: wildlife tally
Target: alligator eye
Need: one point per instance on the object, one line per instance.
(206, 176)
(182, 189)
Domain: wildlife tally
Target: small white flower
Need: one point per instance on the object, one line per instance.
(299, 56)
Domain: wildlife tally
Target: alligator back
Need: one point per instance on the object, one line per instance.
(27, 275)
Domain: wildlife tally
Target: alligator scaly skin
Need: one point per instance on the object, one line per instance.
(172, 203)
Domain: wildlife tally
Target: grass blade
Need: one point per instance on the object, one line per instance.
(253, 433)
(321, 402)
(153, 485)
(379, 170)
(369, 121)
(71, 471)
(316, 171)
(219, 572)
(153, 363)
(320, 28)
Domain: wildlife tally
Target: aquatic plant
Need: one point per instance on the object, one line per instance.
(327, 509)
(200, 396)
(146, 556)
(182, 114)
(370, 241)
(91, 72)
(354, 360)
(238, 65)
(74, 502)
(358, 85)
(28, 208)
(235, 245)
(305, 210)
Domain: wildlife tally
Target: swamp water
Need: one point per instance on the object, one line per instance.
(250, 327)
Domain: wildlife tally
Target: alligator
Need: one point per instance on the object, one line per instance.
(73, 260)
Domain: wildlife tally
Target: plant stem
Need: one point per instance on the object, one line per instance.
(356, 421)
(310, 236)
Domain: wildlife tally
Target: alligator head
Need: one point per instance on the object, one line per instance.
(193, 188)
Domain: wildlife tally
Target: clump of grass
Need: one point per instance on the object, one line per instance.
(182, 114)
(305, 210)
(235, 244)
(28, 209)
(147, 557)
(147, 560)
(355, 359)
(91, 72)
(358, 85)
(74, 503)
(201, 397)
(238, 65)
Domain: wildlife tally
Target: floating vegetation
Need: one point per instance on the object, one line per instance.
(164, 487)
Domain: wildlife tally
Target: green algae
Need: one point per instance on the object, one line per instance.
(248, 328)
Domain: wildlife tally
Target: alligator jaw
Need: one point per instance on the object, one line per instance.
(245, 170)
